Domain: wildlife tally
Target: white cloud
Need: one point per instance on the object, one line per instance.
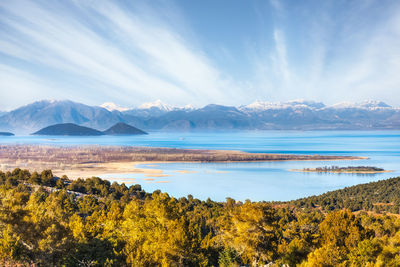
(280, 57)
(141, 58)
(331, 56)
(133, 52)
(19, 87)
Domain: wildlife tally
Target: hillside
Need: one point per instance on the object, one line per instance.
(53, 221)
(121, 128)
(68, 129)
(40, 114)
(6, 134)
(375, 196)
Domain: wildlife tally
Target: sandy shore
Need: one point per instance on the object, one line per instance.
(100, 169)
(88, 161)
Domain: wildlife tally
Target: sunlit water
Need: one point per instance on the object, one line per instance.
(255, 181)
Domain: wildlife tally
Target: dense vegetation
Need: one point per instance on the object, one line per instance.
(68, 129)
(375, 196)
(6, 134)
(121, 128)
(51, 221)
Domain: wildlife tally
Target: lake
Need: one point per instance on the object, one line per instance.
(252, 180)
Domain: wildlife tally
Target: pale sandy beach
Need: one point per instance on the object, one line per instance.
(89, 170)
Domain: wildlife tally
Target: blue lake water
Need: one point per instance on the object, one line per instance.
(251, 180)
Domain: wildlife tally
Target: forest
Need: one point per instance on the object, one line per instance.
(378, 197)
(54, 221)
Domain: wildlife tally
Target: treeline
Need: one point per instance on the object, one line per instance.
(381, 196)
(50, 221)
(349, 168)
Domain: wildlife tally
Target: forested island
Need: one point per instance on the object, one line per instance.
(349, 169)
(72, 129)
(121, 128)
(54, 221)
(68, 129)
(6, 134)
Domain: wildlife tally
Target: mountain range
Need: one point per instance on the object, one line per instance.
(156, 116)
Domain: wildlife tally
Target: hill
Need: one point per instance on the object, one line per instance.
(6, 134)
(68, 129)
(56, 221)
(121, 128)
(375, 196)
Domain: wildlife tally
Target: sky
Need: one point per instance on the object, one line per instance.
(229, 52)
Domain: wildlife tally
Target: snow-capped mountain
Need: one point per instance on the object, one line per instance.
(156, 108)
(156, 104)
(32, 117)
(293, 115)
(110, 106)
(262, 105)
(368, 104)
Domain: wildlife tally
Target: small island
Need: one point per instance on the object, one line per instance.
(6, 134)
(71, 129)
(123, 129)
(349, 169)
(68, 129)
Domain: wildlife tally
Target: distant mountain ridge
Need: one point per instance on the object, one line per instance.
(291, 115)
(32, 117)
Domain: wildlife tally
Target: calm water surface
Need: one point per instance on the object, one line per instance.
(255, 181)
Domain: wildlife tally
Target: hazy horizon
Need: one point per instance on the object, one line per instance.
(158, 102)
(188, 52)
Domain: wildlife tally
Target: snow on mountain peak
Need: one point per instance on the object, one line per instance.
(156, 104)
(164, 107)
(306, 103)
(368, 104)
(373, 104)
(300, 103)
(110, 106)
(189, 107)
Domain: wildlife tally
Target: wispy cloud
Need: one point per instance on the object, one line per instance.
(105, 45)
(331, 51)
(19, 84)
(131, 52)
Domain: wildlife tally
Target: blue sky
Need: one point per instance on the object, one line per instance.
(199, 52)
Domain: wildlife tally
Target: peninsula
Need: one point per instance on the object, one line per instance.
(82, 161)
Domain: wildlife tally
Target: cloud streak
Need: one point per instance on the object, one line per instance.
(330, 51)
(139, 58)
(131, 52)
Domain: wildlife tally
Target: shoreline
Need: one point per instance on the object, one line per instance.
(88, 161)
(108, 168)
